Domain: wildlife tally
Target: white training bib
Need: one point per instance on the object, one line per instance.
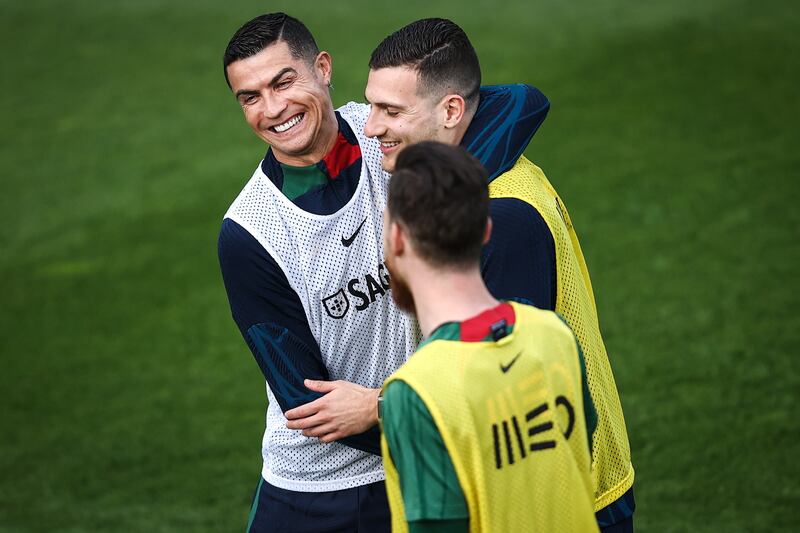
(335, 265)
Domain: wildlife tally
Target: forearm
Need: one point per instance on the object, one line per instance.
(346, 413)
(270, 317)
(369, 441)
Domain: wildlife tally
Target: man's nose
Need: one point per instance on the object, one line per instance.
(374, 126)
(273, 106)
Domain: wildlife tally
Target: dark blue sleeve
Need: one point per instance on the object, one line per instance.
(505, 122)
(519, 261)
(272, 321)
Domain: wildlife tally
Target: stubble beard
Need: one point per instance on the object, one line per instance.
(401, 293)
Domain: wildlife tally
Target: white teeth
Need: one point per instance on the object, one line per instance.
(389, 144)
(280, 128)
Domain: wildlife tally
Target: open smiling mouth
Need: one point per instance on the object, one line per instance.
(289, 124)
(388, 147)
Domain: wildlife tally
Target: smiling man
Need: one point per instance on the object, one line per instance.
(286, 270)
(301, 256)
(408, 119)
(286, 102)
(423, 85)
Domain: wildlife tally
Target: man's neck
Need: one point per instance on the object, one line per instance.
(442, 296)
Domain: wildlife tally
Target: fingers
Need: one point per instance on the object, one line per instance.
(342, 411)
(311, 408)
(308, 422)
(305, 410)
(319, 427)
(320, 386)
(324, 432)
(330, 437)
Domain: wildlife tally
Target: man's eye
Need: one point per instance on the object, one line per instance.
(249, 99)
(392, 113)
(283, 84)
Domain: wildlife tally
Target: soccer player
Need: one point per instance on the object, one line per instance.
(487, 427)
(301, 256)
(423, 84)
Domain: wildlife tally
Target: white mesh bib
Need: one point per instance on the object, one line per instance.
(335, 265)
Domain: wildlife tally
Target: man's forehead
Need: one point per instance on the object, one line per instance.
(391, 85)
(269, 62)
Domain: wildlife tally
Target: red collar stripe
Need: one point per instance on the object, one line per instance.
(478, 328)
(342, 155)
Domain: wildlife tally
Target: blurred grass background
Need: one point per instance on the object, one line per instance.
(129, 401)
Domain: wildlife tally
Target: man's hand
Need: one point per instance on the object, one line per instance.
(346, 409)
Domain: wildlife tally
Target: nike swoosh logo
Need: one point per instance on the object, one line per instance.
(506, 368)
(346, 242)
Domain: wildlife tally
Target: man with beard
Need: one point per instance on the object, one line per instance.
(487, 427)
(302, 260)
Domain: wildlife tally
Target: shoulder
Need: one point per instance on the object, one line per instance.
(508, 210)
(523, 165)
(398, 392)
(529, 316)
(355, 112)
(414, 374)
(252, 190)
(402, 407)
(233, 238)
(245, 263)
(523, 180)
(526, 98)
(356, 115)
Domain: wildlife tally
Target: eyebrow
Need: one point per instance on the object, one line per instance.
(248, 92)
(279, 75)
(272, 82)
(384, 104)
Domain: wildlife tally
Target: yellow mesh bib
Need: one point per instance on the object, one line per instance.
(511, 416)
(611, 463)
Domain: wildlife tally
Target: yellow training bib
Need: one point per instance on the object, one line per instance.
(611, 456)
(511, 416)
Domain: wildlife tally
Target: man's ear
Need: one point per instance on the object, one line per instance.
(487, 233)
(323, 66)
(397, 238)
(453, 107)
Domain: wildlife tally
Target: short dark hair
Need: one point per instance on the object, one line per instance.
(440, 52)
(265, 30)
(439, 194)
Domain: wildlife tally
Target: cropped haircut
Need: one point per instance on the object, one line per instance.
(438, 194)
(265, 30)
(440, 52)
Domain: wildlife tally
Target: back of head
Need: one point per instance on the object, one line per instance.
(440, 52)
(438, 193)
(265, 30)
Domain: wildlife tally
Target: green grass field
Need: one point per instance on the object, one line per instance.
(128, 400)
